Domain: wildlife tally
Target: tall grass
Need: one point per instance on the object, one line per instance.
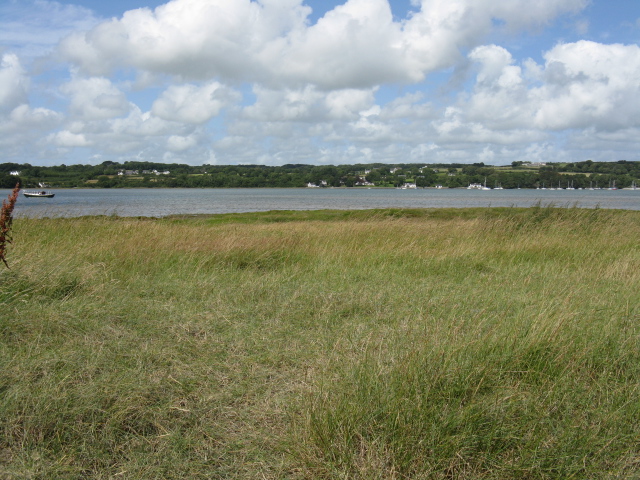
(6, 219)
(497, 343)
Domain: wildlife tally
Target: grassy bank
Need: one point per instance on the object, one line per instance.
(391, 344)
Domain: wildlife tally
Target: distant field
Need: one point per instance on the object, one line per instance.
(381, 344)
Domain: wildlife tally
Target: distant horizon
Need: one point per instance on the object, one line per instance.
(426, 164)
(578, 175)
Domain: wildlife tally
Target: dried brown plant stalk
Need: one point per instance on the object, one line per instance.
(6, 218)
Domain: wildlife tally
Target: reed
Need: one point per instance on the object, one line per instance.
(6, 219)
(484, 344)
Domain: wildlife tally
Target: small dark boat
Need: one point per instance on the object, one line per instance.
(39, 194)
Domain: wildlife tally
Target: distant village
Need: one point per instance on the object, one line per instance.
(144, 172)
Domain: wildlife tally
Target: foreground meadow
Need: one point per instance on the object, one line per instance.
(393, 344)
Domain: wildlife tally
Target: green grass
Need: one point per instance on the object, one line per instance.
(378, 344)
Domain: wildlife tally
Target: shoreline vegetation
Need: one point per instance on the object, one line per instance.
(499, 343)
(579, 175)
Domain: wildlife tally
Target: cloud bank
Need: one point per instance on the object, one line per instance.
(259, 82)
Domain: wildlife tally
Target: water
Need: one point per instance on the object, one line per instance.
(164, 202)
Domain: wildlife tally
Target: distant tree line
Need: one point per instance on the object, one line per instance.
(153, 175)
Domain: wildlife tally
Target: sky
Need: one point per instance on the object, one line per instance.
(277, 82)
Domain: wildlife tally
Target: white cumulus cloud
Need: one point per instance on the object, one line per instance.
(14, 83)
(177, 143)
(194, 104)
(95, 98)
(580, 85)
(66, 138)
(355, 45)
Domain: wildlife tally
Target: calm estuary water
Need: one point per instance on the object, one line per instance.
(164, 202)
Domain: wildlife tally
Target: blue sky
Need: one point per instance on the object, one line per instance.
(320, 82)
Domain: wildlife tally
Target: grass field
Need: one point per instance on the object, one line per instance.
(381, 344)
